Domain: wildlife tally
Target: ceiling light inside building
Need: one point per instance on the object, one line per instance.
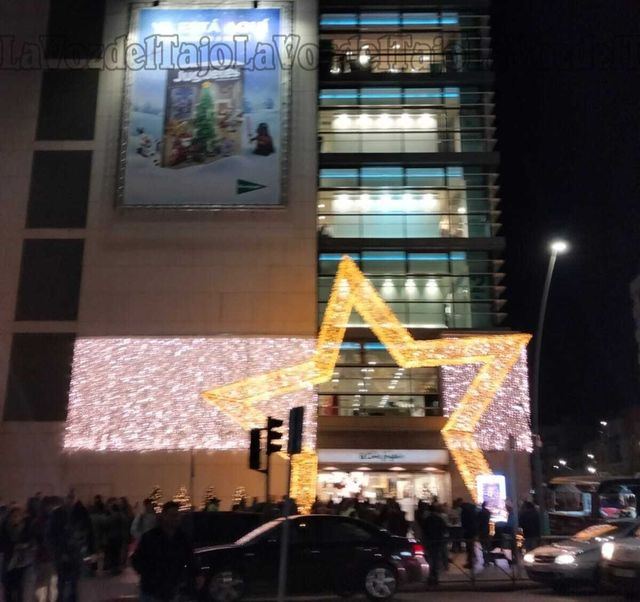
(342, 122)
(427, 121)
(430, 201)
(405, 121)
(365, 202)
(385, 203)
(385, 122)
(342, 203)
(364, 121)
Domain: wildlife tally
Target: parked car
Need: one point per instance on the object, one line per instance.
(327, 554)
(575, 561)
(620, 565)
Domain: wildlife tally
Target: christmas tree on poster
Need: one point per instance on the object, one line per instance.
(205, 133)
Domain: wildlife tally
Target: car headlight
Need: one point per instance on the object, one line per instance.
(529, 557)
(607, 550)
(565, 559)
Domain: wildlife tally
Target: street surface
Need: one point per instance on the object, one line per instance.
(123, 589)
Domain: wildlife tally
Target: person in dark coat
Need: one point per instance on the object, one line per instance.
(18, 548)
(164, 558)
(115, 526)
(530, 524)
(484, 521)
(434, 532)
(469, 522)
(71, 539)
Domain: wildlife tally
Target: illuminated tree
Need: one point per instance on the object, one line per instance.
(239, 497)
(156, 498)
(183, 498)
(208, 496)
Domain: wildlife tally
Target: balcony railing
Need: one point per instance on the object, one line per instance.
(416, 406)
(408, 225)
(451, 141)
(437, 315)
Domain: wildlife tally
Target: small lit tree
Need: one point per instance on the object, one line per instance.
(183, 499)
(156, 498)
(209, 494)
(239, 496)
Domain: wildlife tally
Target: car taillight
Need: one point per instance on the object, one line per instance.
(418, 549)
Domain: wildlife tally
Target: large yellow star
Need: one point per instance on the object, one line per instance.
(496, 355)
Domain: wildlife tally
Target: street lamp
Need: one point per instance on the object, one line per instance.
(557, 247)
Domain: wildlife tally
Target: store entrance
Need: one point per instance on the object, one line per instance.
(407, 487)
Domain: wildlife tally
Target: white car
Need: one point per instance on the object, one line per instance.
(620, 565)
(576, 560)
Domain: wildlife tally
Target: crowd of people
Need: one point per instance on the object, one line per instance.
(63, 537)
(66, 538)
(445, 529)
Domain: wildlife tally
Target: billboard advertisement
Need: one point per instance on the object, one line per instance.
(492, 489)
(205, 104)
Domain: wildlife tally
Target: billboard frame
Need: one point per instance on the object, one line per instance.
(286, 73)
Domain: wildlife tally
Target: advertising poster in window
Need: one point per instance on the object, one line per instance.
(492, 489)
(205, 101)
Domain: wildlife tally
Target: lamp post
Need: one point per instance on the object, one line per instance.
(557, 247)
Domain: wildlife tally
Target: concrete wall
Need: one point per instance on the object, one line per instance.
(150, 272)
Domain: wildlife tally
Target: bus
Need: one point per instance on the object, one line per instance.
(576, 502)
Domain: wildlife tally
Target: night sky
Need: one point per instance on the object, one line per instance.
(568, 105)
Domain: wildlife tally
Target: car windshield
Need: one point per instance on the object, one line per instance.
(259, 531)
(595, 532)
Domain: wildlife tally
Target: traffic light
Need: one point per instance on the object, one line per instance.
(274, 443)
(254, 449)
(296, 422)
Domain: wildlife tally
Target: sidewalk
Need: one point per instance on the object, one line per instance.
(124, 587)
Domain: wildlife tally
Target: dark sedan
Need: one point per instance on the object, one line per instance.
(326, 554)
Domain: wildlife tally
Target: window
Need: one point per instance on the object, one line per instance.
(59, 189)
(75, 29)
(68, 104)
(50, 279)
(303, 532)
(342, 531)
(39, 377)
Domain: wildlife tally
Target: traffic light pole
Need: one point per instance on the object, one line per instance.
(267, 479)
(284, 542)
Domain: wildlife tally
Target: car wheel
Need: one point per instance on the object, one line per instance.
(380, 583)
(225, 586)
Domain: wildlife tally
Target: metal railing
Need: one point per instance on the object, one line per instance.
(451, 141)
(407, 225)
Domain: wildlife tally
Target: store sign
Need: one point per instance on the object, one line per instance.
(385, 456)
(205, 101)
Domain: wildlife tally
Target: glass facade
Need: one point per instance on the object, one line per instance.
(407, 187)
(426, 43)
(398, 202)
(404, 120)
(425, 290)
(368, 382)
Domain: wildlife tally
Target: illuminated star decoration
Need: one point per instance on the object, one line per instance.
(495, 355)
